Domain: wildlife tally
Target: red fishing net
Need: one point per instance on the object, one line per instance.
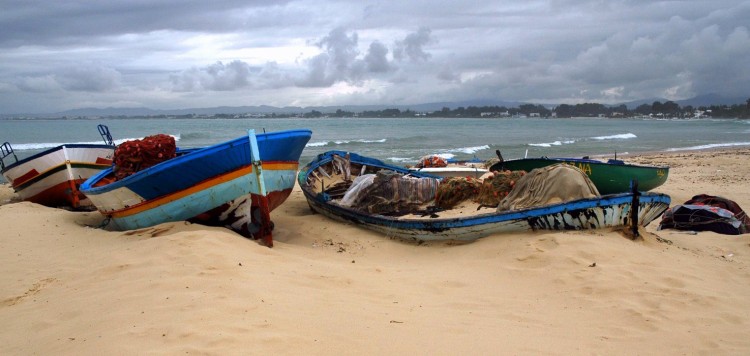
(453, 190)
(133, 156)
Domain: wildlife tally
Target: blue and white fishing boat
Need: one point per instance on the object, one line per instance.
(234, 184)
(327, 180)
(52, 177)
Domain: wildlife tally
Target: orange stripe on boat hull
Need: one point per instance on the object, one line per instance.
(147, 205)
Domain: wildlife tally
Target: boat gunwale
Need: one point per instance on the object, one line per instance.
(88, 187)
(54, 149)
(579, 160)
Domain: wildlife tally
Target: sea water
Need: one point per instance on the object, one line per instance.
(404, 140)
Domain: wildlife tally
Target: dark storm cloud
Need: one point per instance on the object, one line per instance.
(85, 78)
(217, 76)
(33, 22)
(412, 46)
(160, 52)
(341, 61)
(336, 63)
(376, 58)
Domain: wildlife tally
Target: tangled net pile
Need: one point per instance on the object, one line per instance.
(133, 156)
(487, 192)
(454, 190)
(496, 187)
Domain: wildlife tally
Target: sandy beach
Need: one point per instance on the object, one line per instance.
(69, 287)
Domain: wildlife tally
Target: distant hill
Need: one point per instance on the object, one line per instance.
(264, 109)
(636, 103)
(712, 99)
(108, 112)
(701, 100)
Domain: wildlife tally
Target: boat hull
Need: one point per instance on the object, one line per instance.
(578, 215)
(608, 178)
(52, 178)
(601, 212)
(211, 185)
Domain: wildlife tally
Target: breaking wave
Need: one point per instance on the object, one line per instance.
(467, 150)
(709, 146)
(550, 144)
(597, 138)
(342, 142)
(615, 137)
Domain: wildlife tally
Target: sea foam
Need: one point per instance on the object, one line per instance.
(615, 137)
(343, 142)
(709, 146)
(550, 144)
(468, 150)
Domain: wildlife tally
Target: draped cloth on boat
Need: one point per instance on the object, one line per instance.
(707, 213)
(389, 193)
(549, 185)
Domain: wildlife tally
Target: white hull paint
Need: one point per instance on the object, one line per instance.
(33, 178)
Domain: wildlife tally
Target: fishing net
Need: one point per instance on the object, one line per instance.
(497, 186)
(454, 190)
(135, 155)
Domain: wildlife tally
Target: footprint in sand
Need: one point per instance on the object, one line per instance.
(153, 231)
(536, 257)
(31, 292)
(544, 244)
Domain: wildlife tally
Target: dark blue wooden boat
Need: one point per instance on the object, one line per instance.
(616, 210)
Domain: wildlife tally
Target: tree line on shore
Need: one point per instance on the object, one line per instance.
(657, 109)
(668, 109)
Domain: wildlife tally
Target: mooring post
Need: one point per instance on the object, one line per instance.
(635, 204)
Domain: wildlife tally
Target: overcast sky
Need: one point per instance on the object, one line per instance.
(175, 54)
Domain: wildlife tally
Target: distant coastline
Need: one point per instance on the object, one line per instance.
(700, 106)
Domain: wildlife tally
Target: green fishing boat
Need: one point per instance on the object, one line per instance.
(610, 177)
